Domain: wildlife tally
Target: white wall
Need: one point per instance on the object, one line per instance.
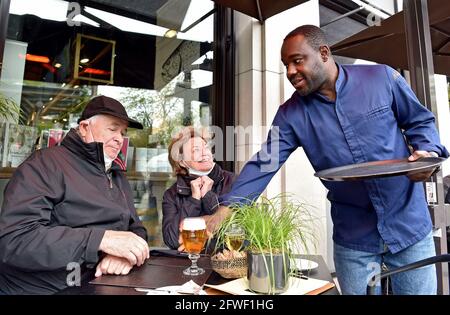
(261, 88)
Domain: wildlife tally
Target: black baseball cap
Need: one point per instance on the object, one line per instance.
(108, 106)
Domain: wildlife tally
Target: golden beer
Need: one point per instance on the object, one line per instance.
(234, 237)
(234, 241)
(194, 240)
(194, 235)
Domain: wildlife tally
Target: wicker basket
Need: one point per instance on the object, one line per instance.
(230, 268)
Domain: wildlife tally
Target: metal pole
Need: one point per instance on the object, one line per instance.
(260, 17)
(224, 77)
(201, 19)
(343, 16)
(420, 62)
(376, 7)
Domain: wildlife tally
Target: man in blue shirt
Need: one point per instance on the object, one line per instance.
(348, 114)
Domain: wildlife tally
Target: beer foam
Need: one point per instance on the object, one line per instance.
(194, 224)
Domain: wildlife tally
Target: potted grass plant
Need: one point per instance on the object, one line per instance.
(275, 229)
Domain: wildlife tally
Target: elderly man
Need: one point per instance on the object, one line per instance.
(70, 206)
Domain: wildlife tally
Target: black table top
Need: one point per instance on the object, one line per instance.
(321, 272)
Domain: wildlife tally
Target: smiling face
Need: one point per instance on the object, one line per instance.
(197, 155)
(305, 67)
(107, 129)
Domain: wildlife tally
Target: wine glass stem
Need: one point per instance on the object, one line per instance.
(194, 258)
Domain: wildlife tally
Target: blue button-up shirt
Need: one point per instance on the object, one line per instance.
(375, 110)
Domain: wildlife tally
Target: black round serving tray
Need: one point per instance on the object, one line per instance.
(375, 169)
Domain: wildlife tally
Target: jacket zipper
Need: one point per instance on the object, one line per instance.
(110, 180)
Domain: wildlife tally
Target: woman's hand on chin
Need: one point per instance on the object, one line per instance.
(207, 184)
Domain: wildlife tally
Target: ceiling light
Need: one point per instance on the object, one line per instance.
(199, 61)
(55, 10)
(83, 19)
(170, 33)
(127, 24)
(35, 58)
(84, 60)
(58, 65)
(201, 78)
(200, 32)
(96, 71)
(195, 11)
(371, 9)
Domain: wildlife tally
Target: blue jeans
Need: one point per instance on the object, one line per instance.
(354, 269)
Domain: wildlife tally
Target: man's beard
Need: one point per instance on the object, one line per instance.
(313, 82)
(308, 87)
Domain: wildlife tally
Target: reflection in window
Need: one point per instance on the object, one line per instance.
(153, 56)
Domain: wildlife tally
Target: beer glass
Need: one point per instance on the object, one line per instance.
(194, 237)
(234, 237)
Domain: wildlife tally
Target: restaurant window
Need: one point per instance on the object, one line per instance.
(155, 57)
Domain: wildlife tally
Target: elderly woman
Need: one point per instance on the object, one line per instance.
(199, 183)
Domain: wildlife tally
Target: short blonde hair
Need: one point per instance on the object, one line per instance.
(176, 146)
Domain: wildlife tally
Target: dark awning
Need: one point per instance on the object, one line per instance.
(387, 43)
(260, 9)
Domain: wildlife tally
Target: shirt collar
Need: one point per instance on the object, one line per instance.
(340, 78)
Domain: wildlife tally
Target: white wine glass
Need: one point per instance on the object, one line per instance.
(234, 237)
